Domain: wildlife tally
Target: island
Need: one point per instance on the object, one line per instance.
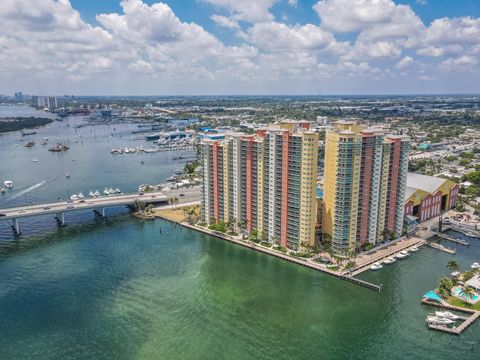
(9, 124)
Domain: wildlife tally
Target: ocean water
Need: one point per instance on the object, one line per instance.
(124, 288)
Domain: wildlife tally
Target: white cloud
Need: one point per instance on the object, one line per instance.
(278, 36)
(225, 22)
(404, 62)
(460, 64)
(47, 45)
(251, 11)
(353, 15)
(293, 3)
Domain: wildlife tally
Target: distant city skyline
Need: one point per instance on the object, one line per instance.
(239, 47)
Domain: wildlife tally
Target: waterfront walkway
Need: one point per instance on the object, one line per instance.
(364, 260)
(266, 250)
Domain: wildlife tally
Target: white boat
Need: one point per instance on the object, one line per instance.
(97, 193)
(455, 273)
(35, 160)
(67, 175)
(81, 196)
(91, 194)
(106, 191)
(446, 315)
(414, 249)
(475, 265)
(8, 184)
(402, 255)
(432, 319)
(74, 197)
(117, 190)
(2, 190)
(376, 266)
(389, 260)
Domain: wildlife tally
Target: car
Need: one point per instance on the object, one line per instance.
(3, 214)
(46, 208)
(91, 203)
(182, 194)
(140, 193)
(81, 201)
(70, 207)
(21, 212)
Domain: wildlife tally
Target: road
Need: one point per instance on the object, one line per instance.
(85, 204)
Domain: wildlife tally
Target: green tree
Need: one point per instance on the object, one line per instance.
(453, 266)
(467, 292)
(445, 287)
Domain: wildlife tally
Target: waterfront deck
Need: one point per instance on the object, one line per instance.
(364, 261)
(443, 248)
(457, 330)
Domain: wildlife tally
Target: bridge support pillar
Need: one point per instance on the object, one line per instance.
(16, 227)
(61, 219)
(103, 212)
(99, 213)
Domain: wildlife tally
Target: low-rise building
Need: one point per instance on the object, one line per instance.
(429, 196)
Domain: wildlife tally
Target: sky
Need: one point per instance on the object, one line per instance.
(239, 47)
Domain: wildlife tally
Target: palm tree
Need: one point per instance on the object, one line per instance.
(467, 292)
(445, 287)
(453, 266)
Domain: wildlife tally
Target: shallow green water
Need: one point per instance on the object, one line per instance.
(123, 290)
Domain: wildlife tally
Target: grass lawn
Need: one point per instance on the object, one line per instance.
(177, 214)
(452, 300)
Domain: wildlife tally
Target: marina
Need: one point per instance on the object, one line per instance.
(457, 330)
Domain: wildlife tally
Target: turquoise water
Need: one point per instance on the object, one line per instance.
(130, 289)
(458, 292)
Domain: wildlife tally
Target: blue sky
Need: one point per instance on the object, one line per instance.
(240, 46)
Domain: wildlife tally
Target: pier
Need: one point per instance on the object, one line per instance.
(457, 330)
(452, 239)
(364, 261)
(97, 205)
(443, 248)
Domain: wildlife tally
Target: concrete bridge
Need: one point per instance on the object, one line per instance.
(97, 205)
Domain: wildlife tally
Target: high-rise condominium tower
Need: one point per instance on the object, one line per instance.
(364, 186)
(264, 182)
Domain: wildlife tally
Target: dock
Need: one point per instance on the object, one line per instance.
(452, 239)
(417, 242)
(457, 330)
(442, 248)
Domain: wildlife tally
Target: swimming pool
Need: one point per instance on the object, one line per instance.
(458, 293)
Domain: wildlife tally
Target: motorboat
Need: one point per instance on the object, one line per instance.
(35, 160)
(8, 184)
(2, 190)
(106, 191)
(67, 175)
(74, 197)
(376, 266)
(91, 194)
(435, 320)
(413, 249)
(97, 193)
(389, 260)
(455, 273)
(81, 196)
(117, 191)
(446, 315)
(402, 255)
(475, 265)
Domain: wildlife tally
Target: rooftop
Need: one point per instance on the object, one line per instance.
(424, 182)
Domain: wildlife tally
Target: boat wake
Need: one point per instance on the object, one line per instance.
(27, 190)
